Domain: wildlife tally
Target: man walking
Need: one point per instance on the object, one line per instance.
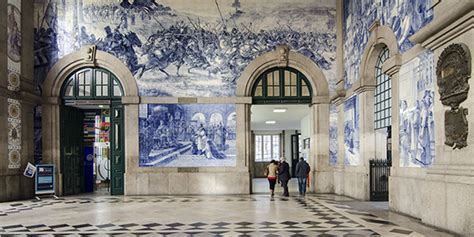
(284, 175)
(302, 171)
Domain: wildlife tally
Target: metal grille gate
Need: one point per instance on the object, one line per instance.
(379, 172)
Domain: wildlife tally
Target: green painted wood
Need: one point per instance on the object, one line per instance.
(117, 161)
(72, 150)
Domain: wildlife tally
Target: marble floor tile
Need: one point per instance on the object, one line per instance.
(218, 215)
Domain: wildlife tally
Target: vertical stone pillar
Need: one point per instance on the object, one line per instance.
(323, 178)
(132, 145)
(243, 139)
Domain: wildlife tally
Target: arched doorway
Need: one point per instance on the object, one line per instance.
(96, 78)
(92, 137)
(317, 97)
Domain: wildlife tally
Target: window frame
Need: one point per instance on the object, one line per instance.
(282, 98)
(273, 150)
(73, 78)
(382, 93)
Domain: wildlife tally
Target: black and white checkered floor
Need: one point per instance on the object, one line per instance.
(238, 215)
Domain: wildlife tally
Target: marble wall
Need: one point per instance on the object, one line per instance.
(192, 135)
(351, 132)
(333, 144)
(179, 48)
(404, 17)
(417, 135)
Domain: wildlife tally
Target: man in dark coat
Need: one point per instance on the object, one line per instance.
(284, 175)
(302, 171)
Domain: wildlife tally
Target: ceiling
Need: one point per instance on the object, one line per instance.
(289, 120)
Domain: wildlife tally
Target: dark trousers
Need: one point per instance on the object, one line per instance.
(284, 184)
(272, 181)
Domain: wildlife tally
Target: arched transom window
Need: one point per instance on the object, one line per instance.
(282, 85)
(91, 83)
(383, 93)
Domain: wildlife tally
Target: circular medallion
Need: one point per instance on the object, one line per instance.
(14, 157)
(13, 79)
(14, 111)
(90, 157)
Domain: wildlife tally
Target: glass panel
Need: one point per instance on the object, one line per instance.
(69, 89)
(270, 91)
(117, 90)
(287, 77)
(305, 91)
(276, 91)
(269, 79)
(258, 91)
(293, 91)
(87, 90)
(88, 77)
(258, 148)
(267, 147)
(287, 90)
(276, 77)
(293, 79)
(116, 137)
(276, 147)
(81, 78)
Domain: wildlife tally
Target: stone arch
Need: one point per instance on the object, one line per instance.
(380, 37)
(88, 56)
(283, 57)
(319, 112)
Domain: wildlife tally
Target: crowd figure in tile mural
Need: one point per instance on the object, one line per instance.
(168, 134)
(417, 131)
(179, 45)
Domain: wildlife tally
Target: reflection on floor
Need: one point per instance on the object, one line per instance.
(222, 215)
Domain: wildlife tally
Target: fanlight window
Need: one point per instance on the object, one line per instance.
(92, 83)
(282, 85)
(383, 93)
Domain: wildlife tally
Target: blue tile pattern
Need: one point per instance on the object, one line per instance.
(177, 50)
(187, 135)
(351, 132)
(417, 132)
(404, 17)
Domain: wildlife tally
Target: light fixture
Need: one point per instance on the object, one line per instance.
(270, 122)
(281, 110)
(101, 106)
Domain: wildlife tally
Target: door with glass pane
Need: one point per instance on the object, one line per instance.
(118, 151)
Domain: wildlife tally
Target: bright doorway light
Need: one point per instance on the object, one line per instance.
(281, 110)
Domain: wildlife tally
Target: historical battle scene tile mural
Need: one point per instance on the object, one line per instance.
(187, 135)
(403, 17)
(177, 49)
(417, 138)
(351, 131)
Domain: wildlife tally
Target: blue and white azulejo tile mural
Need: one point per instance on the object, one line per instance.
(181, 48)
(187, 135)
(404, 17)
(351, 132)
(417, 135)
(333, 143)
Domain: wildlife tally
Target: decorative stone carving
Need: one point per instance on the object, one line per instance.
(91, 52)
(283, 52)
(453, 72)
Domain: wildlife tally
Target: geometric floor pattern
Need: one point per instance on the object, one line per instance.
(223, 215)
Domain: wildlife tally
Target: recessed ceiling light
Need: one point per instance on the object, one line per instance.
(101, 106)
(270, 122)
(281, 110)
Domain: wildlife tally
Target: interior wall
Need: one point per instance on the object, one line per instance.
(16, 100)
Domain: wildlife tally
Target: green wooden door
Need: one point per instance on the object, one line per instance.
(72, 150)
(117, 148)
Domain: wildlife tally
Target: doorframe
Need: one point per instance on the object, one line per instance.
(282, 56)
(87, 56)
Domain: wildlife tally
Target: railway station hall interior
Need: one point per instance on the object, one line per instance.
(236, 118)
